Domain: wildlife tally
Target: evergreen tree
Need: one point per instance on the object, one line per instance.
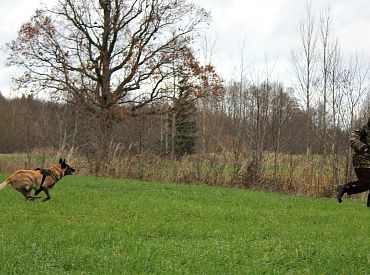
(185, 122)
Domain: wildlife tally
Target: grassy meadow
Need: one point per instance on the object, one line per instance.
(100, 226)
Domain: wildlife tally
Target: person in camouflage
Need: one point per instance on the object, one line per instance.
(360, 143)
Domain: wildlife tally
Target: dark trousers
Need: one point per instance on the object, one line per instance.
(360, 185)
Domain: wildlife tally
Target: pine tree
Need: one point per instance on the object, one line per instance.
(185, 122)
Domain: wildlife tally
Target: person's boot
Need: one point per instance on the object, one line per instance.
(340, 193)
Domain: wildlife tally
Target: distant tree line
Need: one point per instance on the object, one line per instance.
(256, 118)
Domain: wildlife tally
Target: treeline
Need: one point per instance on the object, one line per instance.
(257, 118)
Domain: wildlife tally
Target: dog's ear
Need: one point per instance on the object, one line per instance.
(60, 161)
(64, 162)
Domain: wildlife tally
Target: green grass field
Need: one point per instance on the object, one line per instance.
(100, 226)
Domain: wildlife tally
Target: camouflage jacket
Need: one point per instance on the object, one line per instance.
(358, 140)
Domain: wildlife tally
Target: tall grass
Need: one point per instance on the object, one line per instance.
(302, 175)
(100, 226)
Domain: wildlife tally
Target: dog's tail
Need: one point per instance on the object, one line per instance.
(5, 183)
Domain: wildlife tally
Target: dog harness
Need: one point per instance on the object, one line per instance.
(45, 173)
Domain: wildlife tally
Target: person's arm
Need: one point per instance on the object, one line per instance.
(355, 141)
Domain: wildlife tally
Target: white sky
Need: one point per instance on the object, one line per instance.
(269, 29)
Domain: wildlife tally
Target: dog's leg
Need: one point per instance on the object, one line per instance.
(23, 191)
(37, 192)
(46, 190)
(29, 195)
(26, 193)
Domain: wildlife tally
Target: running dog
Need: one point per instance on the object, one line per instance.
(24, 181)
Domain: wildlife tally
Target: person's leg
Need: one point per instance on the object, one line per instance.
(363, 174)
(355, 187)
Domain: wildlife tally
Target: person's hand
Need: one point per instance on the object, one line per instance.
(366, 151)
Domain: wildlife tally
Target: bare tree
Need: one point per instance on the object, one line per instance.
(325, 31)
(304, 61)
(335, 101)
(282, 109)
(101, 54)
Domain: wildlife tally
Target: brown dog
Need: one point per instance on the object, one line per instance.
(40, 179)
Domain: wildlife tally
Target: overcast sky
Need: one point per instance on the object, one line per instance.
(268, 29)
